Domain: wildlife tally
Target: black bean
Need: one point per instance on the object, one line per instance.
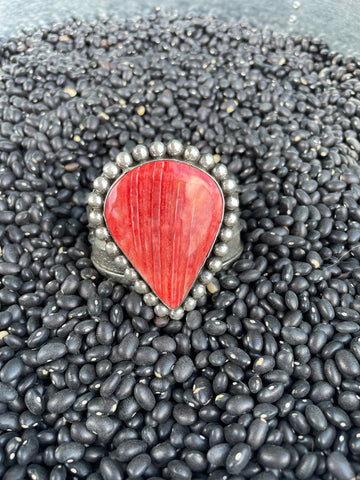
(27, 450)
(15, 472)
(109, 386)
(299, 423)
(129, 449)
(7, 268)
(94, 305)
(238, 356)
(239, 404)
(217, 454)
(133, 303)
(97, 353)
(273, 456)
(257, 433)
(315, 418)
(87, 374)
(307, 466)
(69, 452)
(100, 425)
(338, 417)
(179, 470)
(67, 302)
(300, 389)
(339, 466)
(162, 453)
(58, 472)
(7, 393)
(145, 356)
(110, 469)
(144, 396)
(102, 406)
(164, 343)
(325, 439)
(238, 458)
(345, 313)
(34, 401)
(267, 411)
(184, 414)
(321, 391)
(138, 465)
(349, 401)
(9, 421)
(285, 405)
(249, 276)
(215, 327)
(347, 363)
(195, 460)
(263, 364)
(61, 401)
(50, 352)
(79, 433)
(271, 238)
(105, 333)
(124, 435)
(271, 393)
(183, 369)
(128, 346)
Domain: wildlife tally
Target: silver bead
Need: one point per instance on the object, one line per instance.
(215, 265)
(99, 244)
(124, 160)
(102, 233)
(177, 313)
(220, 171)
(191, 154)
(91, 237)
(111, 170)
(207, 161)
(221, 249)
(130, 274)
(157, 150)
(101, 184)
(160, 310)
(230, 219)
(121, 261)
(95, 200)
(111, 249)
(232, 203)
(175, 148)
(189, 304)
(226, 234)
(228, 185)
(198, 291)
(140, 286)
(140, 153)
(150, 299)
(205, 277)
(95, 218)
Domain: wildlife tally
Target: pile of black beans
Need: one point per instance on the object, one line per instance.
(262, 380)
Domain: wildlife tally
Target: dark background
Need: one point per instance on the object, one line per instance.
(337, 22)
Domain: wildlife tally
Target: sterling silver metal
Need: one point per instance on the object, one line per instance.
(106, 255)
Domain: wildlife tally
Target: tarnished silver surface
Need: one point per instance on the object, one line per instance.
(110, 261)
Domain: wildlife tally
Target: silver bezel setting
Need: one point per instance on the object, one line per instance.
(107, 256)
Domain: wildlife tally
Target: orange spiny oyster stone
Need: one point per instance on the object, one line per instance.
(165, 215)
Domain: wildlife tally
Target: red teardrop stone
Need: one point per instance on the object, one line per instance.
(165, 215)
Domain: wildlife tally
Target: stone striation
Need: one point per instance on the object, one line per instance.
(165, 215)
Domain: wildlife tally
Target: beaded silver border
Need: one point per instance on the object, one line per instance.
(107, 247)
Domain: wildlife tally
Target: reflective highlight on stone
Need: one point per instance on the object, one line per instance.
(165, 215)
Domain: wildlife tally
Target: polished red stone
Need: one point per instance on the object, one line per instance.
(164, 215)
